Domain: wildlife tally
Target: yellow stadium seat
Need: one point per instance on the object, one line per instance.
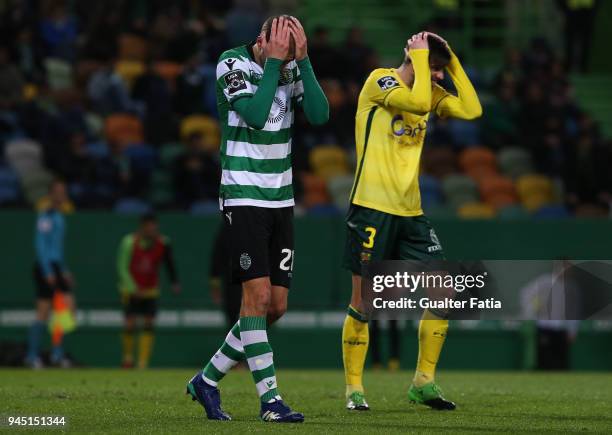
(476, 210)
(129, 70)
(328, 161)
(535, 191)
(205, 125)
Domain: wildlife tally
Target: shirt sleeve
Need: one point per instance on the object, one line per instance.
(233, 77)
(466, 104)
(124, 256)
(387, 90)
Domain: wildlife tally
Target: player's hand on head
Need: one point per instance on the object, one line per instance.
(418, 41)
(278, 45)
(299, 35)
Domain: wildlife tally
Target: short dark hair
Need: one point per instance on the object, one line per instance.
(148, 217)
(267, 25)
(438, 52)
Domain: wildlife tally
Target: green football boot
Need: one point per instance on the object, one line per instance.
(430, 395)
(357, 402)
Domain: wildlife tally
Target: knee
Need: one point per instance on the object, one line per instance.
(276, 311)
(257, 300)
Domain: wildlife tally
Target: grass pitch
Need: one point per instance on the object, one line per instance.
(116, 401)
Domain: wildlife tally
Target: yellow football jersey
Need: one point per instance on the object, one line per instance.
(389, 143)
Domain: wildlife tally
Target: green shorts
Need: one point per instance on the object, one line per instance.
(373, 235)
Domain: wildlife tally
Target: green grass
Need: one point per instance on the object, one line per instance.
(154, 402)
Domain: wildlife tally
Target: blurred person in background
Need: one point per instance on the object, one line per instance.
(139, 260)
(197, 172)
(376, 333)
(579, 20)
(51, 275)
(224, 292)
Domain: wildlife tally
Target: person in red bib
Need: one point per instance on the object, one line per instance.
(139, 260)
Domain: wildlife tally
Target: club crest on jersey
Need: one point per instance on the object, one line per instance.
(245, 261)
(235, 81)
(387, 82)
(277, 111)
(286, 76)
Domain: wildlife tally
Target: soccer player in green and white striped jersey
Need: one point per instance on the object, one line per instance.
(259, 87)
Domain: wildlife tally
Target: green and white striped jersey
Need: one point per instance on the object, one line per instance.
(256, 164)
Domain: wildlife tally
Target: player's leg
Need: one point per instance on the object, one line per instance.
(44, 293)
(369, 233)
(375, 345)
(260, 357)
(127, 336)
(147, 334)
(418, 241)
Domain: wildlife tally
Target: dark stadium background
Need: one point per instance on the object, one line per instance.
(117, 98)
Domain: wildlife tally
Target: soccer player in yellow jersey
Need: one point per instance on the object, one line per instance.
(385, 220)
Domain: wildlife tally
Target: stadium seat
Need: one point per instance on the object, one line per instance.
(498, 191)
(340, 190)
(514, 162)
(205, 125)
(97, 150)
(143, 158)
(555, 211)
(169, 71)
(132, 206)
(431, 190)
(476, 210)
(459, 189)
(329, 161)
(535, 191)
(478, 162)
(464, 133)
(129, 70)
(168, 154)
(23, 154)
(132, 47)
(123, 129)
(315, 190)
(59, 73)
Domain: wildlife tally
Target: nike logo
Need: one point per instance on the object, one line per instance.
(351, 225)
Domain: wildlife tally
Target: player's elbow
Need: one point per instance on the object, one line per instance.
(421, 108)
(473, 113)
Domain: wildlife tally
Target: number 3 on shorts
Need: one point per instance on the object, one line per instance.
(371, 234)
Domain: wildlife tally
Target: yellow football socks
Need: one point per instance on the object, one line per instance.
(145, 348)
(127, 341)
(432, 333)
(355, 340)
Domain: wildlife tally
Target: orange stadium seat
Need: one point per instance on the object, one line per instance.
(328, 161)
(478, 162)
(205, 125)
(123, 129)
(498, 191)
(439, 161)
(132, 47)
(315, 190)
(535, 191)
(169, 71)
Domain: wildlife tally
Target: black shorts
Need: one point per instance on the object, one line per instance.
(261, 243)
(43, 290)
(135, 305)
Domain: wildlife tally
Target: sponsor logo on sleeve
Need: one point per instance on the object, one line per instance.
(235, 81)
(387, 82)
(230, 63)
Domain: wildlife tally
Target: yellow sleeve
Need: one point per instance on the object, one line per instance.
(466, 104)
(385, 89)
